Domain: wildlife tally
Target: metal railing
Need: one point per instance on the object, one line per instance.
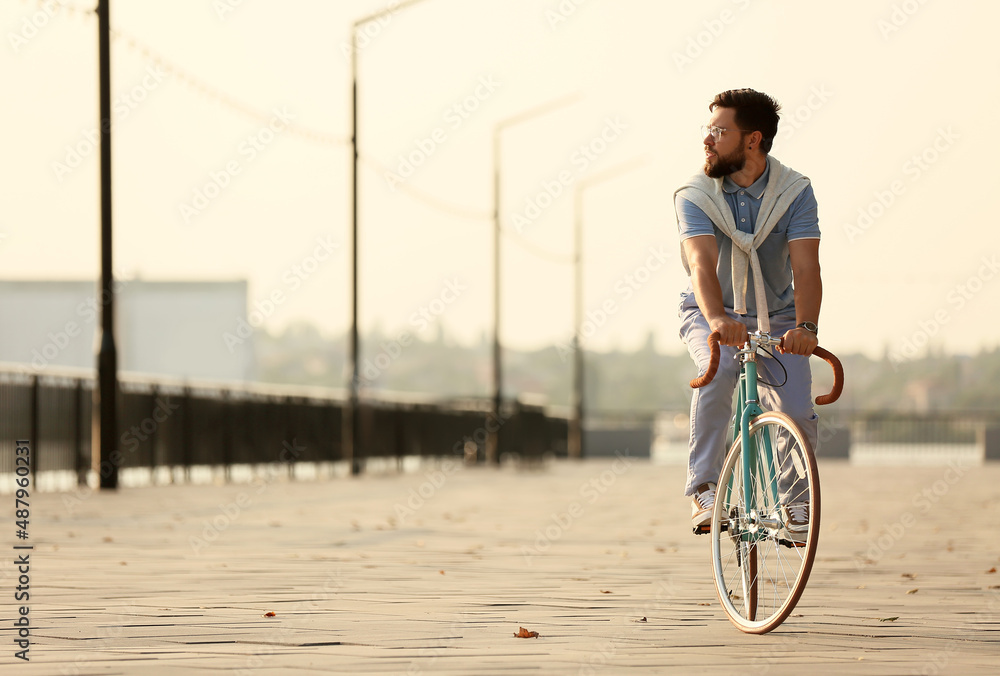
(182, 425)
(176, 425)
(934, 428)
(873, 434)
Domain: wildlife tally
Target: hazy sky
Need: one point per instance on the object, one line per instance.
(247, 104)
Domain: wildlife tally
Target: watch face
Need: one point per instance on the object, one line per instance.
(809, 326)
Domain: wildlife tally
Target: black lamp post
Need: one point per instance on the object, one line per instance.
(493, 427)
(104, 452)
(575, 445)
(353, 445)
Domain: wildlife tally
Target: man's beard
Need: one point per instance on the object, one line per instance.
(726, 165)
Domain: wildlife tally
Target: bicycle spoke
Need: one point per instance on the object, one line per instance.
(750, 559)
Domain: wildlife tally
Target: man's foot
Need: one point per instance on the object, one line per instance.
(796, 517)
(701, 508)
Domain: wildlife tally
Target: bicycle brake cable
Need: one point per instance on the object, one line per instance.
(783, 369)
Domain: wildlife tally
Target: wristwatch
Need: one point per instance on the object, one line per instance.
(808, 326)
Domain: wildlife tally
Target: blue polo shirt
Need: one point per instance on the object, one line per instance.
(800, 221)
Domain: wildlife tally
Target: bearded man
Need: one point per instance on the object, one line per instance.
(745, 201)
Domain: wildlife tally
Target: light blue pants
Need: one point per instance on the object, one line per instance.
(712, 405)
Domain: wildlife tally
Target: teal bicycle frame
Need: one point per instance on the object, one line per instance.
(759, 460)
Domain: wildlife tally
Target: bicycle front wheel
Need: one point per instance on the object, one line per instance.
(762, 554)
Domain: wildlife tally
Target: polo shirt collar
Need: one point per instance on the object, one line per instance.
(756, 190)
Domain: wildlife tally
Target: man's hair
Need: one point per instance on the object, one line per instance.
(754, 111)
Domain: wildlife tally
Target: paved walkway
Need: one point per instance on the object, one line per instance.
(433, 572)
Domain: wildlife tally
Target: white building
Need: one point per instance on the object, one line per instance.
(163, 328)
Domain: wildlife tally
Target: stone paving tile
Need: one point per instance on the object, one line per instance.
(429, 572)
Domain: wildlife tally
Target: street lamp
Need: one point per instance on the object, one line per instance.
(493, 438)
(575, 437)
(104, 451)
(353, 450)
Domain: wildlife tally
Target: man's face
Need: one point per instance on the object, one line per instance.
(727, 155)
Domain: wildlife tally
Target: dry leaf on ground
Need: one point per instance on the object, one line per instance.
(524, 633)
(889, 619)
(269, 613)
(912, 591)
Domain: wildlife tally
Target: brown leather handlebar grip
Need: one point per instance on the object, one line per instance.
(825, 355)
(713, 344)
(838, 376)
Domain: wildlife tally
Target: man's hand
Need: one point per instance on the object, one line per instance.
(731, 331)
(799, 341)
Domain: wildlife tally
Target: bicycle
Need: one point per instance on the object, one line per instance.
(760, 566)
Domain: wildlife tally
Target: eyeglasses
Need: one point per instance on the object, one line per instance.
(716, 132)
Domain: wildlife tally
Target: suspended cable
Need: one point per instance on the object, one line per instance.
(538, 251)
(429, 200)
(228, 101)
(197, 84)
(208, 90)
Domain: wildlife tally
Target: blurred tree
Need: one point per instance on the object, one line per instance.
(618, 383)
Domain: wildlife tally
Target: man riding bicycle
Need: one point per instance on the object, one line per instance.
(750, 242)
